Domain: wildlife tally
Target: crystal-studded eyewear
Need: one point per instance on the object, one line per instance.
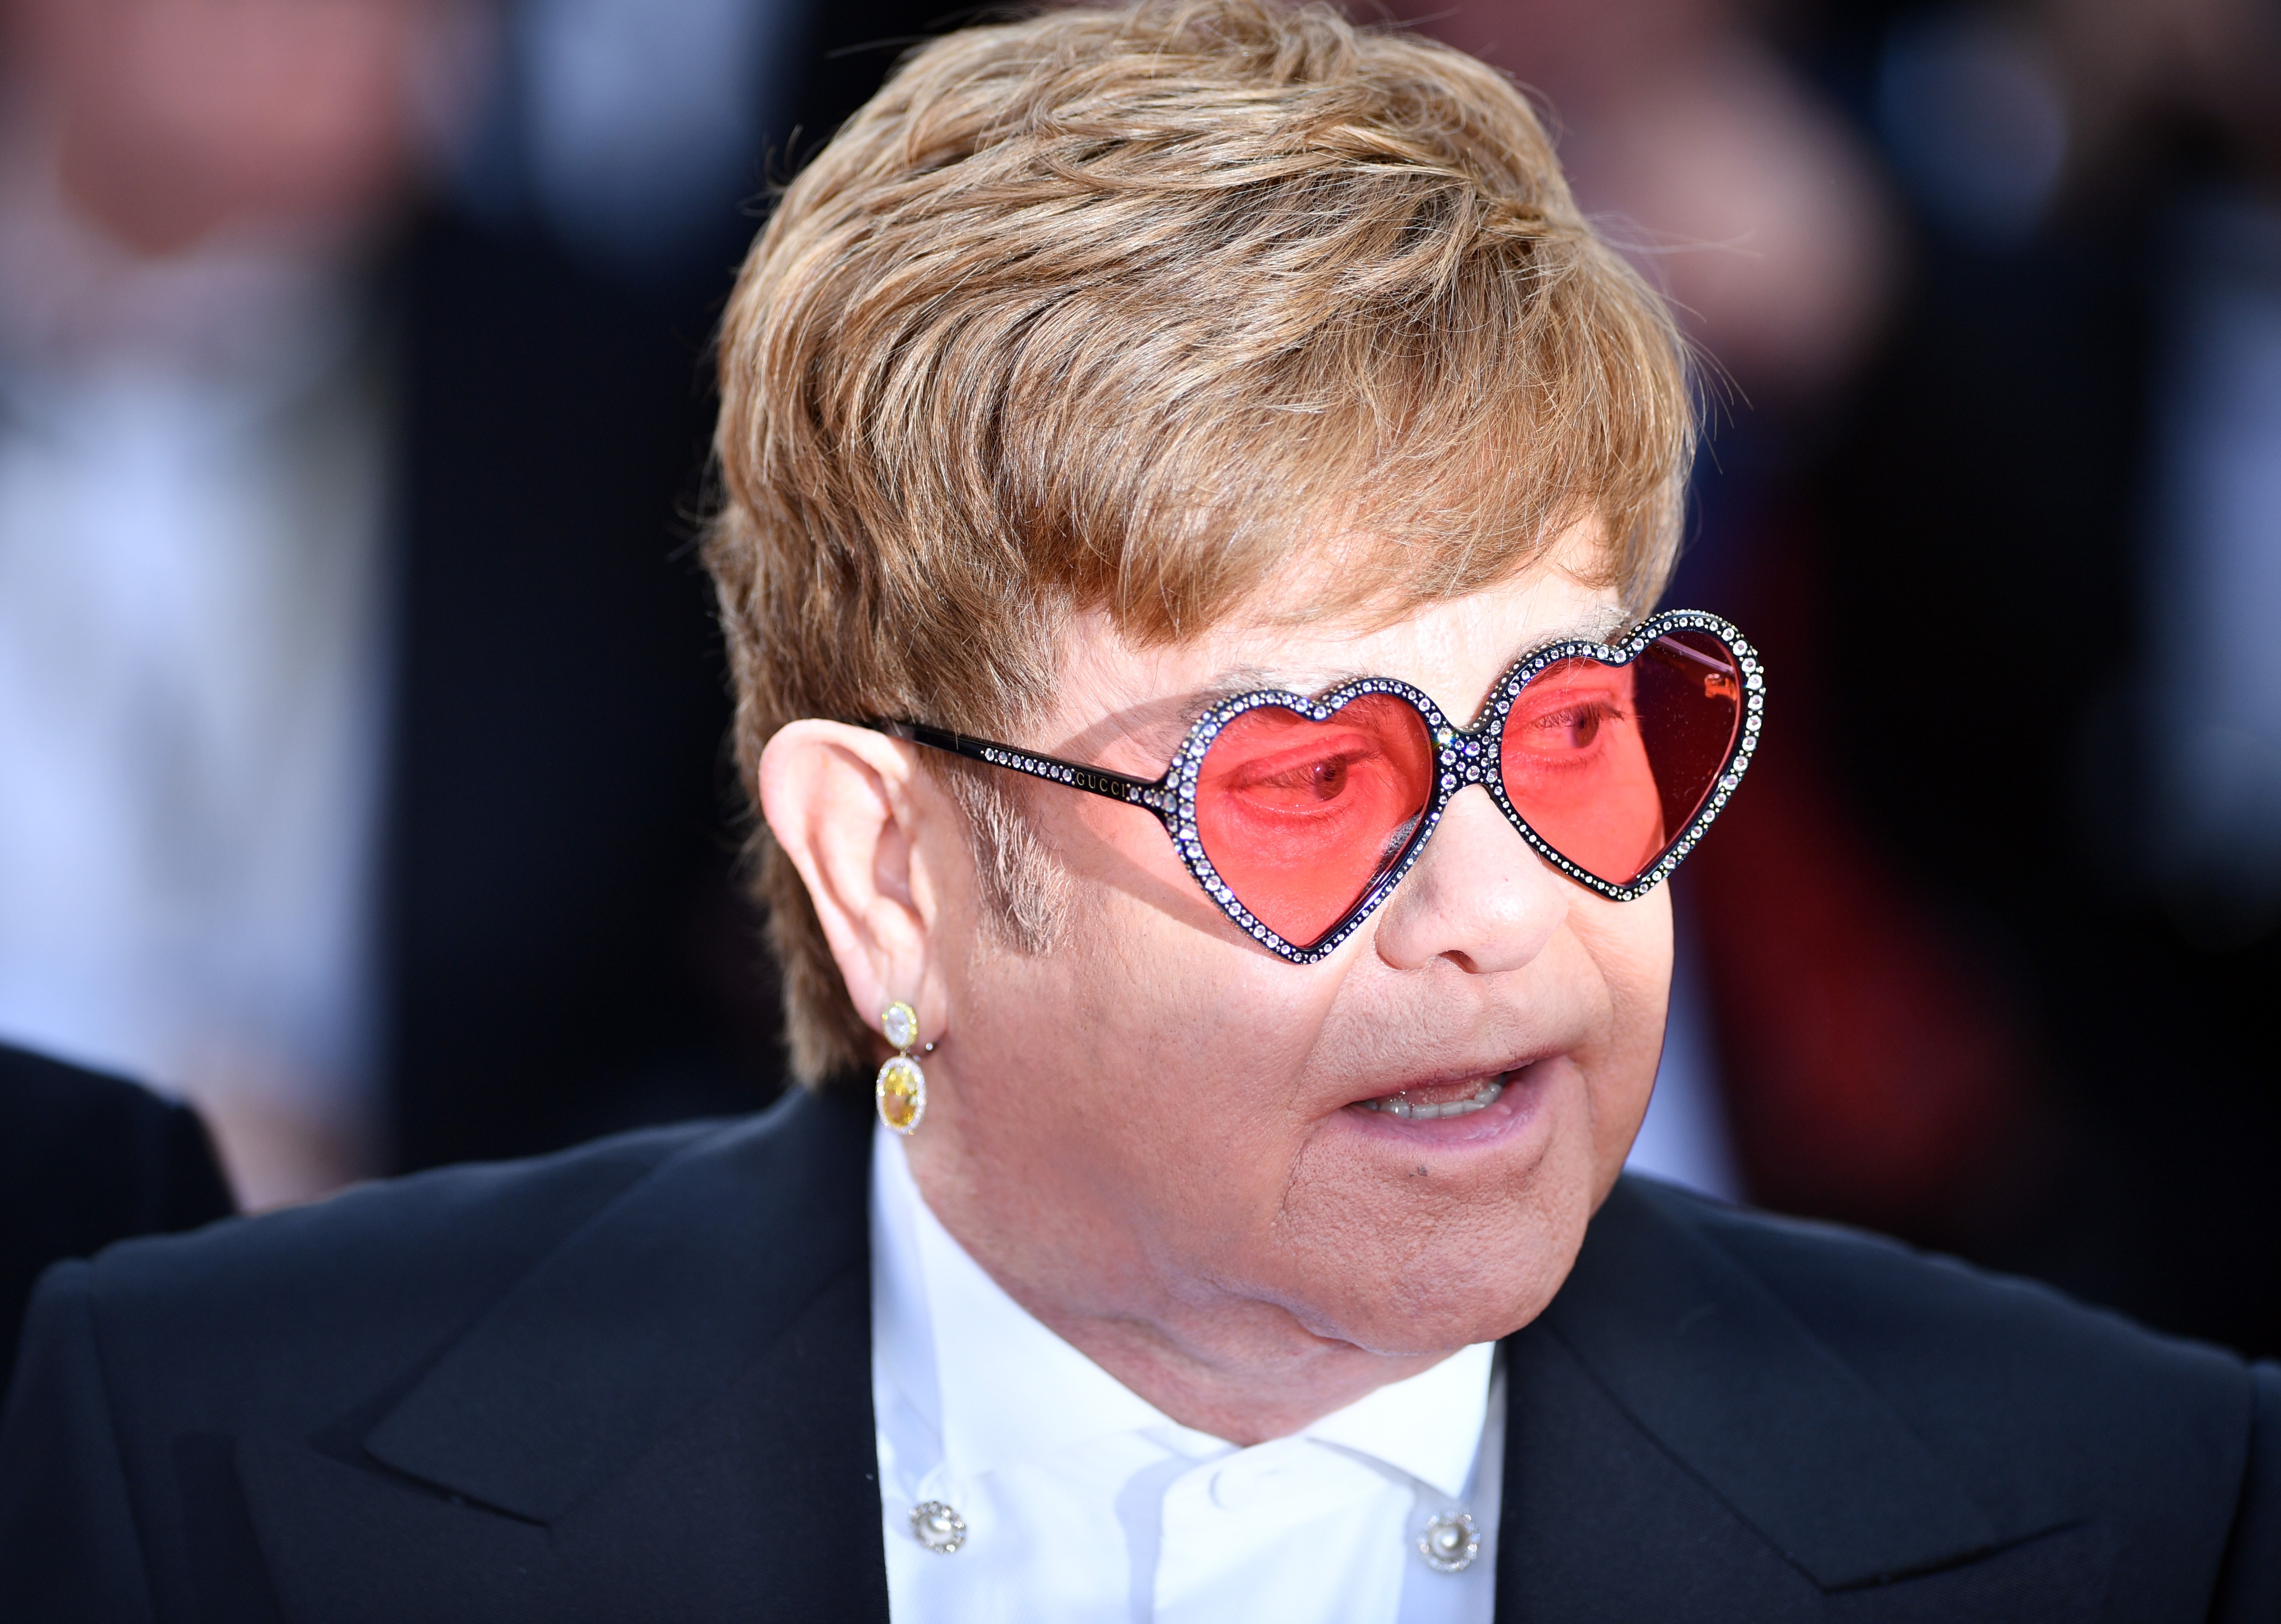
(1299, 815)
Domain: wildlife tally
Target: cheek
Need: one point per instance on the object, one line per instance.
(1152, 962)
(1157, 1022)
(1629, 945)
(1148, 1053)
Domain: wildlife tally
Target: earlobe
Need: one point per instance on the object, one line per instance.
(838, 800)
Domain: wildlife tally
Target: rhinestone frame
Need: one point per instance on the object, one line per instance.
(1462, 756)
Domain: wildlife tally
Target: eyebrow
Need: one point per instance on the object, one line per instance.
(1252, 679)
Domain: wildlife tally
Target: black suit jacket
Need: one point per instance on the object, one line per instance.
(633, 1381)
(87, 1159)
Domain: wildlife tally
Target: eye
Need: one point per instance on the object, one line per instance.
(1324, 779)
(1572, 727)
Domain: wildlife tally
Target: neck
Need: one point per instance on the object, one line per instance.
(1245, 1372)
(1216, 1359)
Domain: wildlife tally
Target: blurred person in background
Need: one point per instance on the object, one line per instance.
(2078, 413)
(193, 575)
(348, 410)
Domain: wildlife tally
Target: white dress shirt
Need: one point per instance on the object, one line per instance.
(1082, 1501)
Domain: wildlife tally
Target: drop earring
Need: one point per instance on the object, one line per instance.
(901, 1092)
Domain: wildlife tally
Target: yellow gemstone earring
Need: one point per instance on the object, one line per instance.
(901, 1092)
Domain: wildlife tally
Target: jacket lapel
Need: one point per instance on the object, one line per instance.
(670, 1415)
(1668, 1417)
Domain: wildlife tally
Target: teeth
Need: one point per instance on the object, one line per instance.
(1399, 1105)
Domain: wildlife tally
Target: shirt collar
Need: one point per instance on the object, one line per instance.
(999, 1386)
(1429, 1424)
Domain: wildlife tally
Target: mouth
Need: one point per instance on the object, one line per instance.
(1415, 1105)
(1445, 1098)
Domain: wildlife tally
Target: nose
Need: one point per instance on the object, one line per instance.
(1479, 895)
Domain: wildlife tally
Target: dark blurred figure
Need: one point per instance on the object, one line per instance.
(86, 1160)
(350, 415)
(2048, 553)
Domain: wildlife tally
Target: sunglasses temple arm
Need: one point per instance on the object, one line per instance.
(1094, 780)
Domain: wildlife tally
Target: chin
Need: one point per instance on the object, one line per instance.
(1478, 1275)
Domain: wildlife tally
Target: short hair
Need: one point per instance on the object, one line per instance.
(1121, 309)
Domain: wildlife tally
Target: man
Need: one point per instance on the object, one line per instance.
(1193, 487)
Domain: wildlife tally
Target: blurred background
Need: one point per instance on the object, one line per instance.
(360, 713)
(360, 710)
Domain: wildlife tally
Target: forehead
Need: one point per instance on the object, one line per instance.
(1115, 692)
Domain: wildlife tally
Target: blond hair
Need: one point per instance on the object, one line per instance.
(1122, 309)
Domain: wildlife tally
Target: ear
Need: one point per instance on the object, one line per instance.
(848, 808)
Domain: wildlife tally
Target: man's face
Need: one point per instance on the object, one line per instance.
(1175, 1112)
(178, 117)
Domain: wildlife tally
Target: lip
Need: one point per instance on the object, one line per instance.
(1524, 1088)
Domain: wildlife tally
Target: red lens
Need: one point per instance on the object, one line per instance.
(1302, 817)
(1611, 763)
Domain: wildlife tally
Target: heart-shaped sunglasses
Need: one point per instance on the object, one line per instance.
(1299, 817)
